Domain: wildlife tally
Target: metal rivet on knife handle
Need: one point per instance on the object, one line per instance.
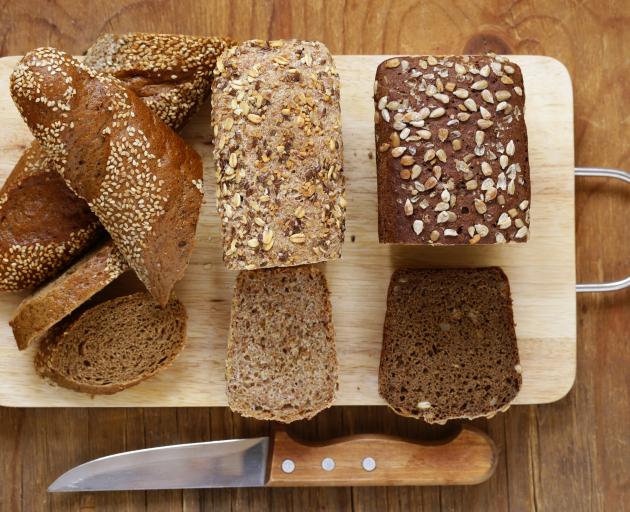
(369, 464)
(328, 464)
(288, 466)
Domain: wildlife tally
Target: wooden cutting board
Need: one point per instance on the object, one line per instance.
(541, 272)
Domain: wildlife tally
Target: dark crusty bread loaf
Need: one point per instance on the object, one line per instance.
(452, 158)
(43, 225)
(281, 358)
(449, 346)
(61, 296)
(278, 154)
(114, 345)
(142, 181)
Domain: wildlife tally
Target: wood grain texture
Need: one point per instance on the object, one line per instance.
(571, 455)
(541, 272)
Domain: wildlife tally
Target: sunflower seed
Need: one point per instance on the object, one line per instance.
(485, 113)
(482, 230)
(507, 80)
(442, 97)
(503, 161)
(407, 160)
(460, 69)
(429, 155)
(441, 206)
(297, 238)
(438, 112)
(486, 95)
(470, 105)
(490, 194)
(505, 221)
(442, 217)
(510, 148)
(254, 118)
(502, 106)
(479, 85)
(430, 183)
(441, 154)
(405, 174)
(408, 208)
(445, 195)
(471, 185)
(500, 239)
(457, 144)
(503, 95)
(487, 184)
(437, 171)
(450, 232)
(511, 188)
(518, 90)
(463, 116)
(442, 134)
(524, 204)
(424, 113)
(479, 137)
(462, 94)
(392, 63)
(480, 206)
(501, 181)
(418, 226)
(404, 133)
(398, 151)
(385, 115)
(486, 170)
(484, 123)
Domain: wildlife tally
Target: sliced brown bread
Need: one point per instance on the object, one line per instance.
(113, 345)
(281, 358)
(143, 182)
(449, 345)
(61, 296)
(44, 225)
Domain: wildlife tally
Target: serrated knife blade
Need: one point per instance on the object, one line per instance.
(231, 463)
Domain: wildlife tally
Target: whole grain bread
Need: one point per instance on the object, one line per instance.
(281, 358)
(452, 157)
(449, 345)
(278, 154)
(114, 345)
(56, 300)
(142, 181)
(43, 225)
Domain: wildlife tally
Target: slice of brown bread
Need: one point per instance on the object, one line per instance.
(44, 225)
(281, 358)
(60, 297)
(449, 345)
(143, 182)
(114, 345)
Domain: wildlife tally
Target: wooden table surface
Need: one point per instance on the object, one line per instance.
(572, 455)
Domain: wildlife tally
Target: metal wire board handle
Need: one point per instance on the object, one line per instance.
(598, 172)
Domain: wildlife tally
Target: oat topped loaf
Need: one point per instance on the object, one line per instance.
(142, 181)
(279, 156)
(452, 158)
(43, 224)
(449, 344)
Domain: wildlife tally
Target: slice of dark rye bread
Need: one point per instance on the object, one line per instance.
(53, 302)
(114, 345)
(449, 345)
(281, 358)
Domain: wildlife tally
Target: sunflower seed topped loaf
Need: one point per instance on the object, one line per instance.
(44, 225)
(171, 73)
(142, 181)
(279, 156)
(281, 360)
(58, 298)
(449, 344)
(452, 158)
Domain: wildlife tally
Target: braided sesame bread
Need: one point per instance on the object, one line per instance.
(114, 345)
(43, 225)
(281, 359)
(278, 151)
(61, 296)
(142, 181)
(449, 345)
(452, 158)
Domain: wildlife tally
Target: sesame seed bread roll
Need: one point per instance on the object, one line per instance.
(43, 224)
(142, 181)
(278, 153)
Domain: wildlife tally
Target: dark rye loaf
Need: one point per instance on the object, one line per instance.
(452, 158)
(449, 345)
(57, 299)
(114, 345)
(43, 224)
(281, 358)
(142, 181)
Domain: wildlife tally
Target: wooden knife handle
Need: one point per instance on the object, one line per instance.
(372, 459)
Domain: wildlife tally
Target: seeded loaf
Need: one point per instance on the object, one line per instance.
(43, 225)
(449, 345)
(281, 359)
(452, 159)
(278, 153)
(142, 181)
(61, 296)
(114, 345)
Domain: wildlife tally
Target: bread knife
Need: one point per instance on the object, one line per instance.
(468, 457)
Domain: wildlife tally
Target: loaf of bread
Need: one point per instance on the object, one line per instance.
(452, 160)
(281, 358)
(142, 181)
(114, 345)
(278, 154)
(43, 225)
(449, 346)
(61, 296)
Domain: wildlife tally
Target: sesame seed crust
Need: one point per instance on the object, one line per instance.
(61, 296)
(452, 157)
(279, 154)
(134, 172)
(32, 252)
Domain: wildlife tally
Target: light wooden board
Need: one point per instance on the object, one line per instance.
(541, 272)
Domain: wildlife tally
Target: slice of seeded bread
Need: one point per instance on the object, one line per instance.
(61, 296)
(449, 345)
(114, 345)
(281, 360)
